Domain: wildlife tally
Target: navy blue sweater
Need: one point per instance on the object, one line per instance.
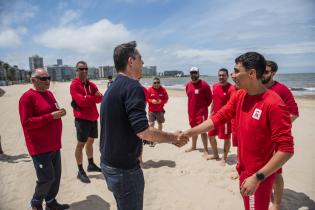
(123, 115)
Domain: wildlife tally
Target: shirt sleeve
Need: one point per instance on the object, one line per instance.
(79, 98)
(280, 124)
(95, 99)
(165, 96)
(208, 94)
(135, 108)
(28, 120)
(288, 99)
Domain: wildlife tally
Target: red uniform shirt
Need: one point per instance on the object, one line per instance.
(160, 94)
(84, 96)
(287, 97)
(42, 133)
(199, 98)
(263, 122)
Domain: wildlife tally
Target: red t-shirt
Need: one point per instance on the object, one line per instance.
(262, 123)
(199, 98)
(42, 133)
(160, 94)
(287, 97)
(221, 95)
(85, 98)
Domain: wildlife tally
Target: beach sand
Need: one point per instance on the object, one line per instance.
(174, 180)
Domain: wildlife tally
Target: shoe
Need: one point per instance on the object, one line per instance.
(56, 206)
(83, 177)
(93, 168)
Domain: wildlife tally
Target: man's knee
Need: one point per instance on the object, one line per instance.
(80, 145)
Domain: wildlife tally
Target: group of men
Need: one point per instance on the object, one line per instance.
(262, 127)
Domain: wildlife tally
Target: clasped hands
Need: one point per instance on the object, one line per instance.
(181, 138)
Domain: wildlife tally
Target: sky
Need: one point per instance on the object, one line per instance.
(171, 34)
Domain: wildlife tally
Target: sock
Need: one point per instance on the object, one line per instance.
(91, 161)
(80, 167)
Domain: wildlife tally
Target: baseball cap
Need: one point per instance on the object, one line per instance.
(194, 69)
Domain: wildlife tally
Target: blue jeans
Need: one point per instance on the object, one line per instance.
(126, 185)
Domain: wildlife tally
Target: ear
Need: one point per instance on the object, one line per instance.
(130, 60)
(252, 73)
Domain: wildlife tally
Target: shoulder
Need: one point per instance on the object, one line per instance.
(272, 98)
(27, 95)
(204, 83)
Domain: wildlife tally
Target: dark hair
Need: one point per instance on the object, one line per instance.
(225, 70)
(110, 77)
(253, 60)
(156, 78)
(122, 53)
(273, 65)
(80, 62)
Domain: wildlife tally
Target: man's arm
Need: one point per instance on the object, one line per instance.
(80, 99)
(155, 135)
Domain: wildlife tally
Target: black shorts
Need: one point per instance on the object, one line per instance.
(85, 129)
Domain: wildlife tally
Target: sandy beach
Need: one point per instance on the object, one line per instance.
(175, 180)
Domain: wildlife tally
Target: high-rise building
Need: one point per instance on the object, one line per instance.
(105, 71)
(61, 73)
(59, 62)
(36, 62)
(149, 71)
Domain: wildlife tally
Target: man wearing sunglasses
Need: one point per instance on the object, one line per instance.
(199, 99)
(157, 97)
(85, 96)
(40, 117)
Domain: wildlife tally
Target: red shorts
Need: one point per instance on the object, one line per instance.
(194, 121)
(222, 131)
(260, 200)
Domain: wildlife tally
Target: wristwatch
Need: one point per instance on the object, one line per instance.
(260, 176)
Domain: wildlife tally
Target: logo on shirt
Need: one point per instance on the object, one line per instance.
(257, 113)
(196, 91)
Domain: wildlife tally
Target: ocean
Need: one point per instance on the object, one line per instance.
(299, 83)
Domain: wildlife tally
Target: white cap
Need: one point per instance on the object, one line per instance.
(192, 69)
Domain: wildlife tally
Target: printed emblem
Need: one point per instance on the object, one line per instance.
(41, 166)
(196, 91)
(257, 113)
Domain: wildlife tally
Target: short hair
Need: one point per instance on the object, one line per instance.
(225, 70)
(110, 77)
(35, 72)
(80, 62)
(253, 60)
(273, 65)
(122, 53)
(156, 78)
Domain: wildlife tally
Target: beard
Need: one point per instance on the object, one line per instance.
(266, 80)
(194, 78)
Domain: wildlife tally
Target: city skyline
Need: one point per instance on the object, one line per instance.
(171, 34)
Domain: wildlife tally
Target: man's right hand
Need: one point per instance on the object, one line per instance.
(58, 114)
(181, 139)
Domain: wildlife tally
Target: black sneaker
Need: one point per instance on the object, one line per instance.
(93, 168)
(37, 208)
(83, 177)
(56, 206)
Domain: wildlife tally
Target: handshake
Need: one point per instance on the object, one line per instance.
(180, 138)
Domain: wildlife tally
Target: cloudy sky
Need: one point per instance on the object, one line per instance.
(171, 34)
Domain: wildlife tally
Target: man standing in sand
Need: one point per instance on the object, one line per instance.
(2, 92)
(41, 122)
(157, 98)
(199, 99)
(221, 93)
(287, 97)
(265, 125)
(85, 96)
(123, 124)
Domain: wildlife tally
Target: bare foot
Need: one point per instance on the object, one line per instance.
(205, 154)
(274, 207)
(223, 162)
(190, 149)
(213, 157)
(234, 176)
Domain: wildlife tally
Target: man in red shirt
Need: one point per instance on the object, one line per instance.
(287, 97)
(199, 99)
(85, 96)
(221, 93)
(40, 117)
(263, 123)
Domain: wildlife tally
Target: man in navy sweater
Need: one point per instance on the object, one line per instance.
(123, 125)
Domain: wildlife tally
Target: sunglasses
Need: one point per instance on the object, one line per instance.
(194, 72)
(43, 78)
(82, 69)
(156, 83)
